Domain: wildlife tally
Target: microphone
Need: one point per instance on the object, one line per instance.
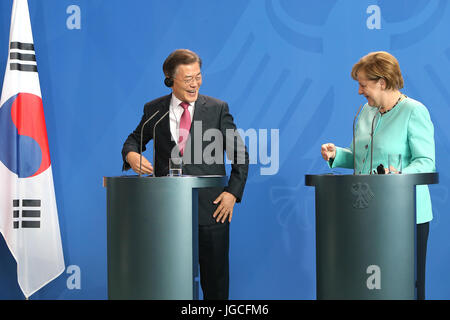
(371, 142)
(354, 152)
(154, 136)
(142, 133)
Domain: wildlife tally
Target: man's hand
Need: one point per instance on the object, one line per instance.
(133, 161)
(225, 209)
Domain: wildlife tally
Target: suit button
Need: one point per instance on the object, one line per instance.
(364, 160)
(367, 146)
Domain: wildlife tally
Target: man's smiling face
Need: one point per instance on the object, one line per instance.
(187, 82)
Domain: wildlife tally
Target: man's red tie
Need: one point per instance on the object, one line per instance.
(185, 126)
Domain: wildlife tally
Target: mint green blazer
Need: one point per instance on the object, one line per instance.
(407, 130)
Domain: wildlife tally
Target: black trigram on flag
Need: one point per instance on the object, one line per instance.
(28, 215)
(22, 57)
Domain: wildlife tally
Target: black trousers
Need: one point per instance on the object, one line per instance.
(213, 247)
(422, 232)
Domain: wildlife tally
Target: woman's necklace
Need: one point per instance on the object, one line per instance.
(399, 99)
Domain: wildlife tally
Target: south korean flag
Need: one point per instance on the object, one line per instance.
(28, 213)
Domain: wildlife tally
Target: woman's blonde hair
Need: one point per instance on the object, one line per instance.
(380, 65)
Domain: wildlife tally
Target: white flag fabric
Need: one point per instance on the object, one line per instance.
(28, 212)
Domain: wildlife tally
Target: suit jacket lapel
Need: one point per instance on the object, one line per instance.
(199, 109)
(199, 113)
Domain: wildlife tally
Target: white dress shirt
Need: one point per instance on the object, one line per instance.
(175, 112)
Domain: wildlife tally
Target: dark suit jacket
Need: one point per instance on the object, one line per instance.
(209, 113)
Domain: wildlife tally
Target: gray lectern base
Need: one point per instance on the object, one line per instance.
(152, 236)
(365, 235)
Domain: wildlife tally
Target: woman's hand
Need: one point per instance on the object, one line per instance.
(328, 151)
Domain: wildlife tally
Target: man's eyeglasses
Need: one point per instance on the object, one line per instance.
(190, 80)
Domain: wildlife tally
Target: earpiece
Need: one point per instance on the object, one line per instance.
(168, 82)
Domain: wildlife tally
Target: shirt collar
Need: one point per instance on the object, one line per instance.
(176, 102)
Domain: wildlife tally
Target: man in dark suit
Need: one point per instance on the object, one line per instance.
(184, 119)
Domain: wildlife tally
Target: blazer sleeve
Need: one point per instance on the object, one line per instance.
(421, 142)
(343, 158)
(236, 152)
(133, 141)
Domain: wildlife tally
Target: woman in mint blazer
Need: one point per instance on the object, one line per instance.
(401, 125)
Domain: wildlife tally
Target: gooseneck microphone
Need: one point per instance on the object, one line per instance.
(371, 142)
(154, 136)
(142, 132)
(354, 151)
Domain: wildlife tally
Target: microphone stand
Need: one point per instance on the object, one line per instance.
(154, 136)
(354, 152)
(371, 142)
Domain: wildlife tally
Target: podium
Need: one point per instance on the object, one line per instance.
(365, 235)
(152, 236)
